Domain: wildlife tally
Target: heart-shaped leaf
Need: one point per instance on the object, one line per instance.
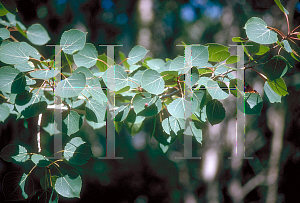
(37, 34)
(72, 86)
(15, 153)
(77, 151)
(69, 185)
(215, 112)
(72, 41)
(136, 54)
(257, 31)
(86, 57)
(152, 82)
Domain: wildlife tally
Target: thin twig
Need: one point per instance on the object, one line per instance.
(169, 95)
(288, 23)
(38, 136)
(13, 38)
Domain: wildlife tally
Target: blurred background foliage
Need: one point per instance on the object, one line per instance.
(146, 174)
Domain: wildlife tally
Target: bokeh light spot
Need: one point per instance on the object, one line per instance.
(122, 18)
(187, 13)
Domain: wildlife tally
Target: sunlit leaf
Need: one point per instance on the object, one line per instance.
(72, 41)
(4, 33)
(69, 185)
(152, 82)
(257, 31)
(72, 86)
(77, 151)
(15, 153)
(37, 34)
(136, 54)
(4, 112)
(86, 57)
(13, 53)
(271, 95)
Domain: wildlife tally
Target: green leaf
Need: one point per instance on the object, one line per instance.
(30, 50)
(29, 104)
(287, 46)
(72, 41)
(71, 123)
(271, 95)
(134, 123)
(88, 74)
(233, 59)
(42, 74)
(15, 153)
(238, 39)
(95, 111)
(7, 77)
(13, 53)
(233, 87)
(21, 30)
(86, 57)
(217, 52)
(3, 10)
(4, 33)
(281, 7)
(18, 84)
(251, 104)
(278, 86)
(94, 90)
(77, 151)
(257, 31)
(177, 108)
(102, 66)
(200, 96)
(69, 185)
(197, 132)
(4, 112)
(152, 82)
(24, 67)
(163, 148)
(29, 81)
(13, 22)
(203, 81)
(177, 64)
(122, 57)
(262, 50)
(72, 86)
(40, 160)
(274, 67)
(136, 54)
(34, 109)
(120, 78)
(156, 64)
(252, 47)
(223, 70)
(172, 126)
(215, 112)
(199, 55)
(17, 186)
(135, 78)
(9, 5)
(154, 104)
(121, 113)
(216, 90)
(37, 34)
(195, 76)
